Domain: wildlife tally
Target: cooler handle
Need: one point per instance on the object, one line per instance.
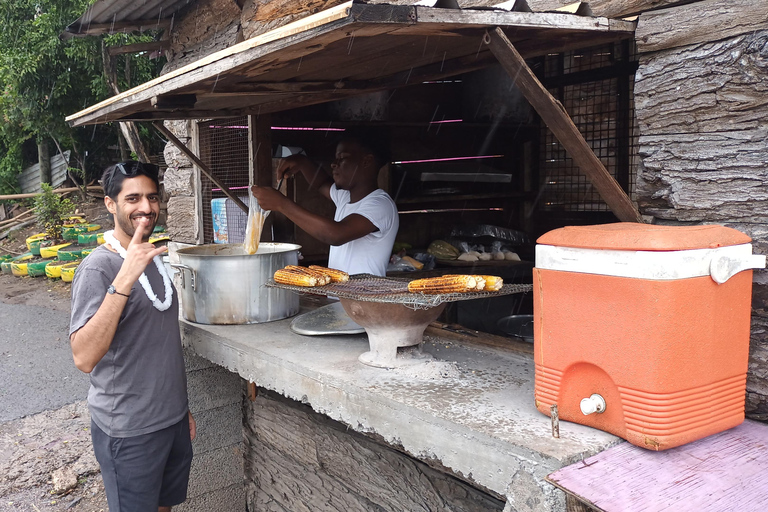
(723, 267)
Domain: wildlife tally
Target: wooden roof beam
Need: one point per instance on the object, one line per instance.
(173, 101)
(98, 29)
(557, 119)
(151, 46)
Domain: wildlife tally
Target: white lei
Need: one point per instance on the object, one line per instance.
(110, 240)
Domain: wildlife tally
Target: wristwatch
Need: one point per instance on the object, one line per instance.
(111, 290)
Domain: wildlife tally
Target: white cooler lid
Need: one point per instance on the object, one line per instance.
(646, 251)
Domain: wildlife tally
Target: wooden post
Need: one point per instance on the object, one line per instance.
(199, 163)
(260, 150)
(557, 119)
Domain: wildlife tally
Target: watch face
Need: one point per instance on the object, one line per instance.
(111, 289)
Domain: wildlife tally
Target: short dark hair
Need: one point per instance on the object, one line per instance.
(374, 142)
(114, 175)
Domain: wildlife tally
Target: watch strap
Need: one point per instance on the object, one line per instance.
(113, 291)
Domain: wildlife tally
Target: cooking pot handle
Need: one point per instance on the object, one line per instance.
(192, 273)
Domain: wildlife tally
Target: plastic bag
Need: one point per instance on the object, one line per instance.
(398, 264)
(256, 217)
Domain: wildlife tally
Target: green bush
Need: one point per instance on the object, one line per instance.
(49, 210)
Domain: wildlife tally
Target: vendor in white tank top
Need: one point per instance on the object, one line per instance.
(365, 225)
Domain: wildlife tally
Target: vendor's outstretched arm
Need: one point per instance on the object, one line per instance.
(312, 172)
(324, 229)
(92, 341)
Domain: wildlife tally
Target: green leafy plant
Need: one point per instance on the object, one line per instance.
(49, 210)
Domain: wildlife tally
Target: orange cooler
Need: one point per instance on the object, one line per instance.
(643, 331)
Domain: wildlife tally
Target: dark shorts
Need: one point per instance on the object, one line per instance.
(144, 472)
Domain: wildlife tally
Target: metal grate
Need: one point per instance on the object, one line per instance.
(224, 148)
(596, 87)
(369, 288)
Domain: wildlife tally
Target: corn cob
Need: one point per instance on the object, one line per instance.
(337, 276)
(480, 280)
(443, 284)
(322, 278)
(286, 276)
(492, 283)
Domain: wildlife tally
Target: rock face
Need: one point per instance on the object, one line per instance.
(182, 219)
(297, 459)
(702, 109)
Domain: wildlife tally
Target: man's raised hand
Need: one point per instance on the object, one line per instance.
(139, 254)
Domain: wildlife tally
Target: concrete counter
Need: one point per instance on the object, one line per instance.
(469, 412)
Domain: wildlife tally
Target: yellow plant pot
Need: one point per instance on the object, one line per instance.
(53, 269)
(35, 238)
(159, 237)
(73, 221)
(52, 251)
(68, 271)
(19, 269)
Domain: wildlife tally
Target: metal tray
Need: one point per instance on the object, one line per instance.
(369, 288)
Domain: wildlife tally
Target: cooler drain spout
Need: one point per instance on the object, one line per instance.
(593, 404)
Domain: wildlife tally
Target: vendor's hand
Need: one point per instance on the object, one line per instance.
(138, 255)
(192, 427)
(293, 164)
(268, 198)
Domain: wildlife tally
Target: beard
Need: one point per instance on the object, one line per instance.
(126, 224)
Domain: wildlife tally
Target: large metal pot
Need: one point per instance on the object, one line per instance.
(221, 284)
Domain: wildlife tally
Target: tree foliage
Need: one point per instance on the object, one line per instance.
(44, 78)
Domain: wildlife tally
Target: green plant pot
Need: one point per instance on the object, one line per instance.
(37, 268)
(69, 233)
(71, 253)
(88, 237)
(34, 246)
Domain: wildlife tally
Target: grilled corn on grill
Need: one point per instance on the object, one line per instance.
(369, 288)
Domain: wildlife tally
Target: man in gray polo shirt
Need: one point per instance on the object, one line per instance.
(124, 331)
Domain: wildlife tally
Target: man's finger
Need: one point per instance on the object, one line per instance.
(138, 235)
(157, 251)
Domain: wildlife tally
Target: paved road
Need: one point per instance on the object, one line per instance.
(36, 369)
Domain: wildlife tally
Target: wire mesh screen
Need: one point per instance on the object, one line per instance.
(596, 88)
(224, 148)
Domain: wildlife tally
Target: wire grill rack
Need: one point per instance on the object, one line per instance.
(370, 288)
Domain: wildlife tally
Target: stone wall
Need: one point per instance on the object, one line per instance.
(215, 399)
(299, 460)
(180, 183)
(701, 99)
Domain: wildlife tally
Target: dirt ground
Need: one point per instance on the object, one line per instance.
(41, 452)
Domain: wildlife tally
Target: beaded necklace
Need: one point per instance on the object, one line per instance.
(114, 243)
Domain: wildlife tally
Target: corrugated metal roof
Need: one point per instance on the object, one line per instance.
(351, 49)
(117, 11)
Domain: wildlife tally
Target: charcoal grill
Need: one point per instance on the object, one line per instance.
(392, 316)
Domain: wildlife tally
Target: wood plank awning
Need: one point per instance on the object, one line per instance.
(345, 51)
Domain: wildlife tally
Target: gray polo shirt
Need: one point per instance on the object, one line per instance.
(140, 385)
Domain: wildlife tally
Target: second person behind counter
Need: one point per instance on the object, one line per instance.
(365, 224)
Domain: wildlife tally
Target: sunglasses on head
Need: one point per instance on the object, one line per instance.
(130, 169)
